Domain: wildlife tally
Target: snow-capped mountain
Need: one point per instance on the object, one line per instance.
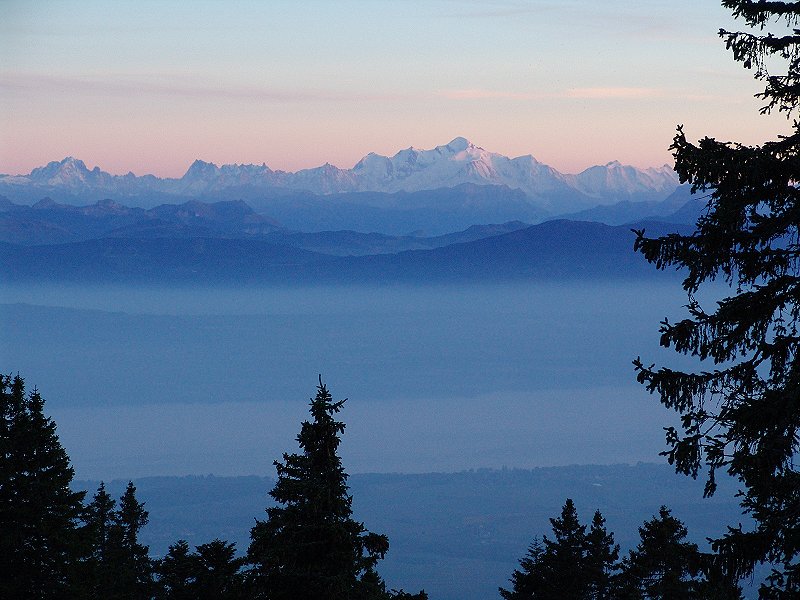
(410, 170)
(602, 181)
(203, 177)
(70, 173)
(455, 163)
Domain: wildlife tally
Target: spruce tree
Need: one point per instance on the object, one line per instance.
(114, 564)
(741, 413)
(310, 547)
(38, 510)
(97, 571)
(663, 566)
(602, 555)
(217, 572)
(564, 557)
(573, 565)
(134, 577)
(528, 582)
(177, 573)
(212, 572)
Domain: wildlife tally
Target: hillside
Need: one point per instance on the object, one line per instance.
(555, 249)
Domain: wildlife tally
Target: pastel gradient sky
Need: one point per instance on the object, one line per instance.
(150, 85)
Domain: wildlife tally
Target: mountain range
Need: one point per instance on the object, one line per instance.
(554, 250)
(457, 163)
(418, 216)
(48, 222)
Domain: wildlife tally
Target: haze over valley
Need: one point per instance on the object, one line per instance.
(225, 310)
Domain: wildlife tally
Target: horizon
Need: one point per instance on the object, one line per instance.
(148, 87)
(91, 167)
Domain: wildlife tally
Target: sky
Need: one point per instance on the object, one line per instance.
(149, 86)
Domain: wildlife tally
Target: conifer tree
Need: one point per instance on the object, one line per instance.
(602, 555)
(38, 510)
(528, 582)
(213, 572)
(741, 413)
(217, 572)
(310, 547)
(177, 573)
(663, 566)
(114, 564)
(97, 572)
(573, 565)
(135, 569)
(564, 556)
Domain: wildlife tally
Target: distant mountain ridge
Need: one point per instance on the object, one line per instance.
(555, 250)
(679, 207)
(411, 170)
(48, 222)
(426, 212)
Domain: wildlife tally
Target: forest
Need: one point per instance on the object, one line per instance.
(61, 544)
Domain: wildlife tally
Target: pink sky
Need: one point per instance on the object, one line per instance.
(148, 87)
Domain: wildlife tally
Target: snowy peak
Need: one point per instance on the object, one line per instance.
(456, 145)
(460, 161)
(206, 177)
(67, 172)
(460, 144)
(456, 163)
(200, 170)
(616, 178)
(70, 173)
(373, 162)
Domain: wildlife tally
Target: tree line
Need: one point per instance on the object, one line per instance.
(581, 564)
(57, 545)
(54, 544)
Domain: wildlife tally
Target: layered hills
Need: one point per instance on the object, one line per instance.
(417, 216)
(229, 242)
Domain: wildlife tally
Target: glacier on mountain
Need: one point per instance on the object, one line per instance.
(410, 170)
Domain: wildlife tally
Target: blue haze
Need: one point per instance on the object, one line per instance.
(155, 381)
